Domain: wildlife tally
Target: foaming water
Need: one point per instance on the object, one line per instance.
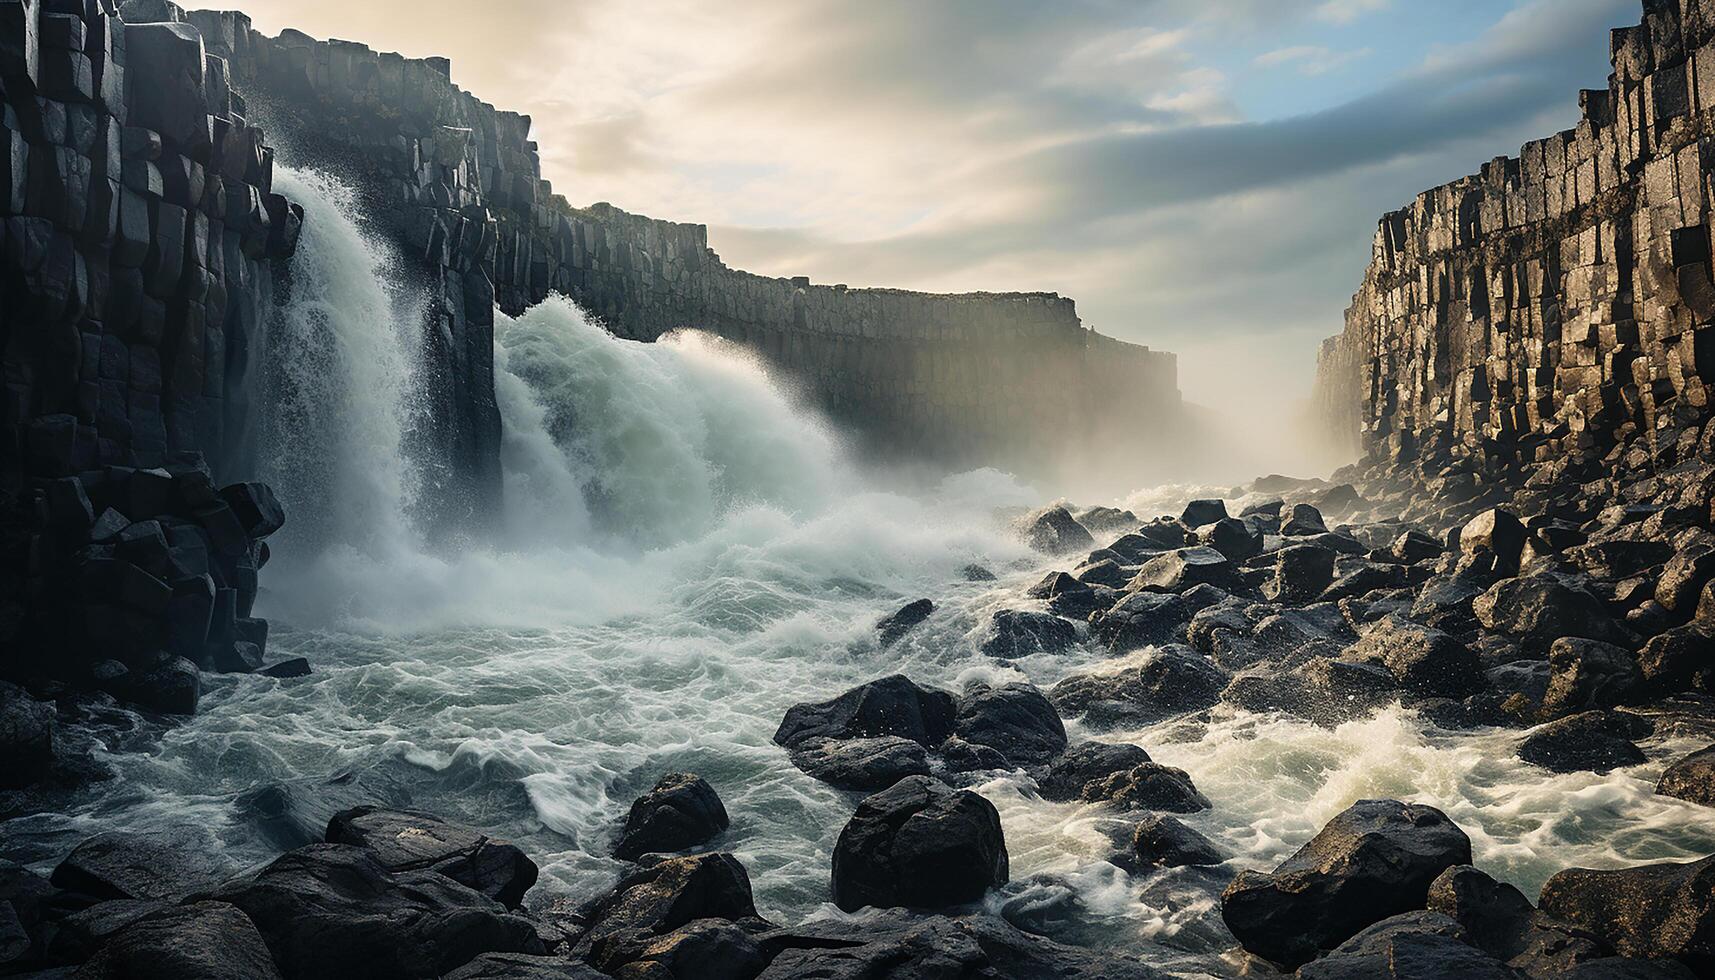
(687, 553)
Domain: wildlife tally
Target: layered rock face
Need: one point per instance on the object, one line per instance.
(1554, 307)
(955, 379)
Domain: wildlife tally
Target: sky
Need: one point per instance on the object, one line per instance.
(1202, 176)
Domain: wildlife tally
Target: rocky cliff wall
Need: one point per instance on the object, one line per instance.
(980, 378)
(1557, 305)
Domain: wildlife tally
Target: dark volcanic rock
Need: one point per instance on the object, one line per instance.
(1303, 521)
(1500, 533)
(1301, 573)
(919, 844)
(1080, 771)
(1016, 720)
(707, 949)
(405, 840)
(1200, 513)
(1169, 682)
(1657, 911)
(520, 966)
(1587, 674)
(1411, 946)
(1499, 920)
(1161, 841)
(1680, 659)
(861, 763)
(1539, 610)
(26, 737)
(201, 941)
(1374, 860)
(894, 627)
(1414, 546)
(889, 706)
(119, 864)
(1691, 778)
(976, 573)
(1012, 633)
(296, 812)
(332, 911)
(1423, 660)
(1593, 741)
(1054, 531)
(1067, 596)
(660, 898)
(1233, 538)
(681, 812)
(1683, 578)
(1149, 786)
(1179, 571)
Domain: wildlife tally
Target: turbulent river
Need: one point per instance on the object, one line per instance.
(685, 553)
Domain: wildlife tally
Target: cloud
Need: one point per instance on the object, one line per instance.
(1346, 11)
(1310, 60)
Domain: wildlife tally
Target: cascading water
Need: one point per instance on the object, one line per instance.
(688, 553)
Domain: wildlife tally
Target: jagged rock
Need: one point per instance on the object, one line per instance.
(1411, 946)
(1200, 513)
(1423, 660)
(1539, 610)
(1594, 741)
(287, 669)
(1107, 519)
(1142, 619)
(1149, 786)
(889, 706)
(861, 763)
(1374, 860)
(1171, 681)
(1358, 580)
(656, 900)
(681, 812)
(1499, 920)
(406, 840)
(1054, 531)
(1445, 602)
(1104, 572)
(296, 812)
(707, 949)
(1587, 674)
(894, 627)
(1499, 532)
(976, 573)
(1015, 720)
(332, 911)
(257, 509)
(521, 966)
(1233, 538)
(26, 738)
(1691, 778)
(1012, 633)
(1301, 573)
(1414, 546)
(1069, 597)
(200, 941)
(1304, 521)
(1080, 771)
(919, 844)
(1662, 911)
(173, 688)
(1683, 578)
(157, 866)
(1527, 677)
(1161, 841)
(1180, 571)
(1680, 659)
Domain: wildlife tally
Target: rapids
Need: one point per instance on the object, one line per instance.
(686, 552)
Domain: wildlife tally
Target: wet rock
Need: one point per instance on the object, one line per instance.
(1499, 920)
(861, 763)
(200, 941)
(976, 573)
(1015, 720)
(331, 911)
(889, 706)
(157, 866)
(1172, 681)
(958, 756)
(1361, 579)
(707, 949)
(1539, 610)
(286, 669)
(894, 627)
(1301, 573)
(1067, 596)
(1423, 660)
(1414, 546)
(1080, 772)
(1412, 946)
(1200, 513)
(1594, 741)
(1499, 532)
(681, 812)
(257, 509)
(1143, 619)
(1587, 674)
(520, 966)
(26, 738)
(406, 840)
(1374, 860)
(919, 844)
(1303, 521)
(1664, 911)
(1149, 786)
(1683, 578)
(1233, 538)
(1054, 531)
(296, 812)
(1012, 633)
(1445, 602)
(1107, 519)
(1691, 778)
(1104, 572)
(1679, 660)
(1161, 841)
(1180, 571)
(1527, 677)
(174, 688)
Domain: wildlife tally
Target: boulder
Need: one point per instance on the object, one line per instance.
(889, 706)
(976, 573)
(1104, 572)
(1172, 681)
(1015, 720)
(861, 763)
(1233, 538)
(894, 627)
(1149, 786)
(332, 912)
(1161, 841)
(1423, 660)
(681, 812)
(287, 669)
(1540, 609)
(1414, 546)
(293, 813)
(1498, 532)
(257, 509)
(1180, 571)
(521, 966)
(1142, 619)
(1066, 596)
(1585, 674)
(1301, 573)
(1664, 911)
(706, 949)
(1374, 860)
(658, 899)
(166, 865)
(1081, 771)
(1055, 531)
(1593, 741)
(1200, 513)
(1012, 633)
(1499, 920)
(200, 941)
(26, 738)
(407, 840)
(1412, 946)
(1683, 578)
(1680, 659)
(1303, 521)
(1691, 778)
(173, 688)
(919, 844)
